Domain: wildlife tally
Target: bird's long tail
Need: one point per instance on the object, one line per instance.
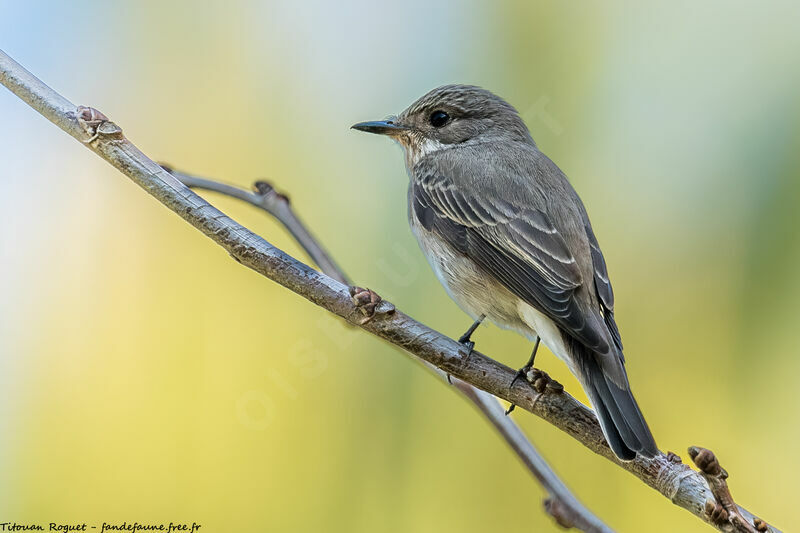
(620, 418)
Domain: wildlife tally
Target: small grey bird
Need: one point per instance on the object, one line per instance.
(510, 240)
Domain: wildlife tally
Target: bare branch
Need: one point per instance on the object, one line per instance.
(561, 504)
(682, 485)
(265, 197)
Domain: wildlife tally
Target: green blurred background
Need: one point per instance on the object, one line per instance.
(147, 377)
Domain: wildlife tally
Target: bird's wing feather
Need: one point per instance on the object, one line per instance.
(516, 244)
(602, 285)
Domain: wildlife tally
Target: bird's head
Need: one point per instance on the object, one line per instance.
(451, 115)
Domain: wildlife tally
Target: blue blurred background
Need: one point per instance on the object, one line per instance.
(147, 376)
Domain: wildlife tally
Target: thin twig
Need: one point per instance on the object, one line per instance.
(682, 485)
(561, 504)
(724, 509)
(265, 197)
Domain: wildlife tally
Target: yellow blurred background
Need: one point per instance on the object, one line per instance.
(147, 377)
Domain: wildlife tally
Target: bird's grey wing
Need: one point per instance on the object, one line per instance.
(516, 244)
(602, 285)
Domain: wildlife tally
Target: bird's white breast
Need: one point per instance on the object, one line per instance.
(417, 148)
(475, 292)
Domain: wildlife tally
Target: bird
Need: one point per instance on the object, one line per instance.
(510, 240)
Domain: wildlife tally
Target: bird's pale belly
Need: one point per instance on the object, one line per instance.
(475, 292)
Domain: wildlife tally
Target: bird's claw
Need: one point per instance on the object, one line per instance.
(521, 373)
(470, 345)
(466, 340)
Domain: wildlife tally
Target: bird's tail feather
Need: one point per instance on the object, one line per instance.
(620, 417)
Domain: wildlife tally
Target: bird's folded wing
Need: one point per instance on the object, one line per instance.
(602, 285)
(517, 245)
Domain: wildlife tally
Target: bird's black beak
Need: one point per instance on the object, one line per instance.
(382, 127)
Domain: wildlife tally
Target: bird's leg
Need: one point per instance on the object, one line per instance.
(523, 372)
(466, 341)
(465, 338)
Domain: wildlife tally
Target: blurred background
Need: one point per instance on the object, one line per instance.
(147, 377)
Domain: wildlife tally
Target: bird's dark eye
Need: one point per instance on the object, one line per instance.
(439, 119)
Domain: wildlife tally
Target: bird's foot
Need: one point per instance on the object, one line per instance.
(470, 345)
(522, 373)
(369, 303)
(465, 338)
